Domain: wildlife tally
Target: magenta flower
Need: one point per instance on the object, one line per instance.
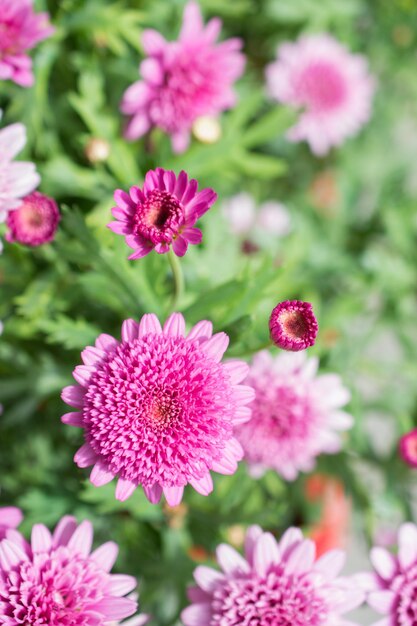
(34, 222)
(393, 587)
(10, 517)
(293, 325)
(161, 214)
(277, 583)
(331, 88)
(159, 408)
(408, 448)
(183, 80)
(295, 415)
(21, 29)
(56, 579)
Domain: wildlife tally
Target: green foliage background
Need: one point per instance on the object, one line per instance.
(355, 259)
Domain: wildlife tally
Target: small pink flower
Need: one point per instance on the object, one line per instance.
(392, 589)
(159, 408)
(293, 325)
(161, 214)
(295, 415)
(20, 30)
(56, 579)
(276, 584)
(10, 517)
(408, 448)
(34, 222)
(183, 80)
(331, 87)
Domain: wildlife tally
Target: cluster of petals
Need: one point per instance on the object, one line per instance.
(330, 86)
(159, 408)
(183, 80)
(276, 583)
(296, 414)
(35, 222)
(293, 325)
(10, 517)
(161, 214)
(56, 579)
(21, 29)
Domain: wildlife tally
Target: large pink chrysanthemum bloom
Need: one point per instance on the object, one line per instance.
(57, 580)
(331, 87)
(35, 222)
(183, 80)
(392, 590)
(276, 584)
(10, 517)
(20, 30)
(159, 408)
(295, 415)
(161, 214)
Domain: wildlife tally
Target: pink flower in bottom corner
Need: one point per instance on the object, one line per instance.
(296, 414)
(330, 86)
(21, 29)
(161, 214)
(275, 584)
(10, 517)
(159, 408)
(34, 222)
(57, 580)
(392, 589)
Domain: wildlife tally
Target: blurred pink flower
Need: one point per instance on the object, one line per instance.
(240, 212)
(20, 30)
(161, 214)
(10, 517)
(159, 408)
(331, 88)
(293, 325)
(408, 448)
(183, 80)
(34, 222)
(56, 579)
(277, 583)
(295, 415)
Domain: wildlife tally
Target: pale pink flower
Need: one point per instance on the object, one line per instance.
(330, 86)
(10, 517)
(161, 214)
(183, 80)
(159, 408)
(293, 325)
(35, 222)
(295, 415)
(272, 219)
(57, 580)
(276, 584)
(20, 30)
(392, 589)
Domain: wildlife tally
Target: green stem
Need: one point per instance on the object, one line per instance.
(178, 279)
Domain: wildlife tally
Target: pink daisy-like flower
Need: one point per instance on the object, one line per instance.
(183, 80)
(159, 408)
(161, 214)
(293, 325)
(20, 30)
(10, 517)
(330, 86)
(276, 584)
(392, 589)
(34, 222)
(57, 580)
(295, 415)
(408, 448)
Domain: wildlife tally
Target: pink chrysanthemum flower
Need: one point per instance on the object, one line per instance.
(392, 590)
(293, 325)
(408, 448)
(57, 580)
(276, 584)
(34, 222)
(10, 517)
(330, 86)
(295, 415)
(161, 214)
(20, 30)
(183, 80)
(159, 408)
